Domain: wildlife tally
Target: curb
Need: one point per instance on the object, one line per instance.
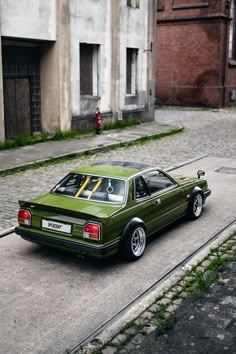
(6, 232)
(141, 320)
(92, 151)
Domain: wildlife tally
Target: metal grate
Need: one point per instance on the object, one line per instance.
(229, 170)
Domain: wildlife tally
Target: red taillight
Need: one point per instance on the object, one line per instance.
(24, 217)
(92, 231)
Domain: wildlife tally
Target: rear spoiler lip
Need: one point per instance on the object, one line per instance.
(67, 212)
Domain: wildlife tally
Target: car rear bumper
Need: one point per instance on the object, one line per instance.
(69, 245)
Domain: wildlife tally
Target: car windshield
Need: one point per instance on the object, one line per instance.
(92, 188)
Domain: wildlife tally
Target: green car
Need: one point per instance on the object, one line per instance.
(106, 207)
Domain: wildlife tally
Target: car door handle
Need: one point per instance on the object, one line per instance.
(158, 201)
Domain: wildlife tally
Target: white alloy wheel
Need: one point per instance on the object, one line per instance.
(138, 241)
(197, 205)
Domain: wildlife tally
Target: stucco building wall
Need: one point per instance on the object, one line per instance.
(29, 19)
(55, 31)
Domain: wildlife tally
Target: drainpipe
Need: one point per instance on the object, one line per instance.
(2, 125)
(226, 56)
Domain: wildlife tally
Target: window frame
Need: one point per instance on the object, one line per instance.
(134, 4)
(75, 174)
(95, 69)
(174, 183)
(150, 195)
(132, 55)
(232, 32)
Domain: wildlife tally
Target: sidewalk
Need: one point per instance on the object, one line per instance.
(52, 150)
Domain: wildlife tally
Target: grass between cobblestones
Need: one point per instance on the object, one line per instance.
(72, 156)
(160, 316)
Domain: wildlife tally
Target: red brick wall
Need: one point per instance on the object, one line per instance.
(191, 53)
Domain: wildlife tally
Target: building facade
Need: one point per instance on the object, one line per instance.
(61, 59)
(196, 53)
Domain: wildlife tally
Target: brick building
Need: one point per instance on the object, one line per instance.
(196, 52)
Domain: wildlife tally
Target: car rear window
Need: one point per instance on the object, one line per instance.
(92, 188)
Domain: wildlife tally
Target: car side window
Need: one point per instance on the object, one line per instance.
(141, 189)
(157, 181)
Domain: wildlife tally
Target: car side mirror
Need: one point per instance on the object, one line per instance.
(200, 173)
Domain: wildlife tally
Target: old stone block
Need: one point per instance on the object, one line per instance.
(171, 308)
(130, 331)
(109, 350)
(206, 263)
(138, 339)
(119, 339)
(149, 329)
(164, 301)
(154, 308)
(130, 347)
(178, 301)
(147, 315)
(140, 322)
(170, 295)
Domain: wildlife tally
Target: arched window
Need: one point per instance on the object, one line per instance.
(232, 31)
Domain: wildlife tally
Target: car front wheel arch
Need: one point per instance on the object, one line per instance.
(196, 203)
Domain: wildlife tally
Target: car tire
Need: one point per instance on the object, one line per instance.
(134, 243)
(195, 206)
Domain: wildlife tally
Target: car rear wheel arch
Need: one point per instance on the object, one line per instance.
(133, 241)
(131, 225)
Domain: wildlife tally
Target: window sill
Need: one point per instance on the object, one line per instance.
(90, 97)
(131, 95)
(232, 63)
(190, 6)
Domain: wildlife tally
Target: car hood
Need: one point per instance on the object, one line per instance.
(86, 207)
(184, 179)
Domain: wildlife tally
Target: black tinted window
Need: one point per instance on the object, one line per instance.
(157, 181)
(141, 189)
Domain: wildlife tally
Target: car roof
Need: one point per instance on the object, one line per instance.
(119, 169)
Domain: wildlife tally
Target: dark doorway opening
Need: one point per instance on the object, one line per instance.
(21, 88)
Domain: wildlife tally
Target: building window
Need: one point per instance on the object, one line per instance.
(133, 3)
(232, 31)
(132, 71)
(89, 73)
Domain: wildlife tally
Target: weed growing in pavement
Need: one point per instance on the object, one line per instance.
(73, 156)
(164, 324)
(20, 141)
(25, 140)
(120, 124)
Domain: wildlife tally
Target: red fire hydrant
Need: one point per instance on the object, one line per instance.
(98, 121)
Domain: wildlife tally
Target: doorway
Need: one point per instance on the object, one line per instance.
(17, 107)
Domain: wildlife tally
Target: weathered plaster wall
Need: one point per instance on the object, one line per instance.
(134, 34)
(29, 19)
(56, 75)
(91, 24)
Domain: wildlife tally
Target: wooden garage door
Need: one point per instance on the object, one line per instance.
(17, 107)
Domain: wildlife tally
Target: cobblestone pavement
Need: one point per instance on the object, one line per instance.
(207, 132)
